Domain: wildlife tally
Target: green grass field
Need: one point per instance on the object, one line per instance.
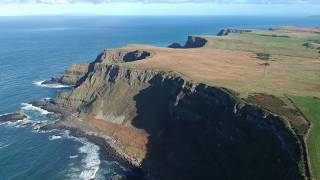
(310, 107)
(274, 43)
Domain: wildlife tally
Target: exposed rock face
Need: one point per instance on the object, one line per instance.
(175, 45)
(122, 55)
(12, 117)
(53, 80)
(194, 131)
(74, 74)
(225, 32)
(192, 42)
(195, 42)
(71, 76)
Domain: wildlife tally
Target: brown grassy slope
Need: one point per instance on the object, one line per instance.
(297, 29)
(241, 71)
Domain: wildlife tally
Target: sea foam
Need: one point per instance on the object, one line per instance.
(53, 86)
(73, 157)
(4, 145)
(55, 137)
(90, 160)
(30, 107)
(90, 163)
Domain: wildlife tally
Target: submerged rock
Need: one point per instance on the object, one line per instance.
(13, 117)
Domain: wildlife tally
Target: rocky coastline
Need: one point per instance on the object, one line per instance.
(193, 130)
(107, 149)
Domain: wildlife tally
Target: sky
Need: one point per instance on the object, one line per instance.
(160, 7)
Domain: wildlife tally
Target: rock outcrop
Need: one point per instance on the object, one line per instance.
(13, 117)
(122, 55)
(192, 42)
(74, 74)
(71, 75)
(193, 131)
(225, 32)
(53, 80)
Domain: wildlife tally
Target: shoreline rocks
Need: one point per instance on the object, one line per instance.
(107, 149)
(53, 80)
(12, 117)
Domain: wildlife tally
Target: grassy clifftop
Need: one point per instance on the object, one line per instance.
(310, 106)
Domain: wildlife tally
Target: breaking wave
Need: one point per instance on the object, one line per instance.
(55, 137)
(90, 159)
(73, 157)
(90, 163)
(30, 107)
(4, 145)
(53, 86)
(89, 167)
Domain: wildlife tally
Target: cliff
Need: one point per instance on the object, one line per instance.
(71, 76)
(176, 128)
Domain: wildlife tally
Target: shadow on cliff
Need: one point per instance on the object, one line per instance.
(196, 135)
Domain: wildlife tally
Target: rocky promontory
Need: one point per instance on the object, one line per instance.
(70, 77)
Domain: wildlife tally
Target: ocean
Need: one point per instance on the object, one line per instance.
(33, 49)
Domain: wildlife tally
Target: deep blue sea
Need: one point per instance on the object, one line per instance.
(33, 49)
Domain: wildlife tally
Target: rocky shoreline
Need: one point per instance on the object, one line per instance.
(107, 149)
(161, 124)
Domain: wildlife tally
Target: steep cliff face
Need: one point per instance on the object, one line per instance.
(193, 131)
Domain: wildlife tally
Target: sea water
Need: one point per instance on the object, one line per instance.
(32, 49)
